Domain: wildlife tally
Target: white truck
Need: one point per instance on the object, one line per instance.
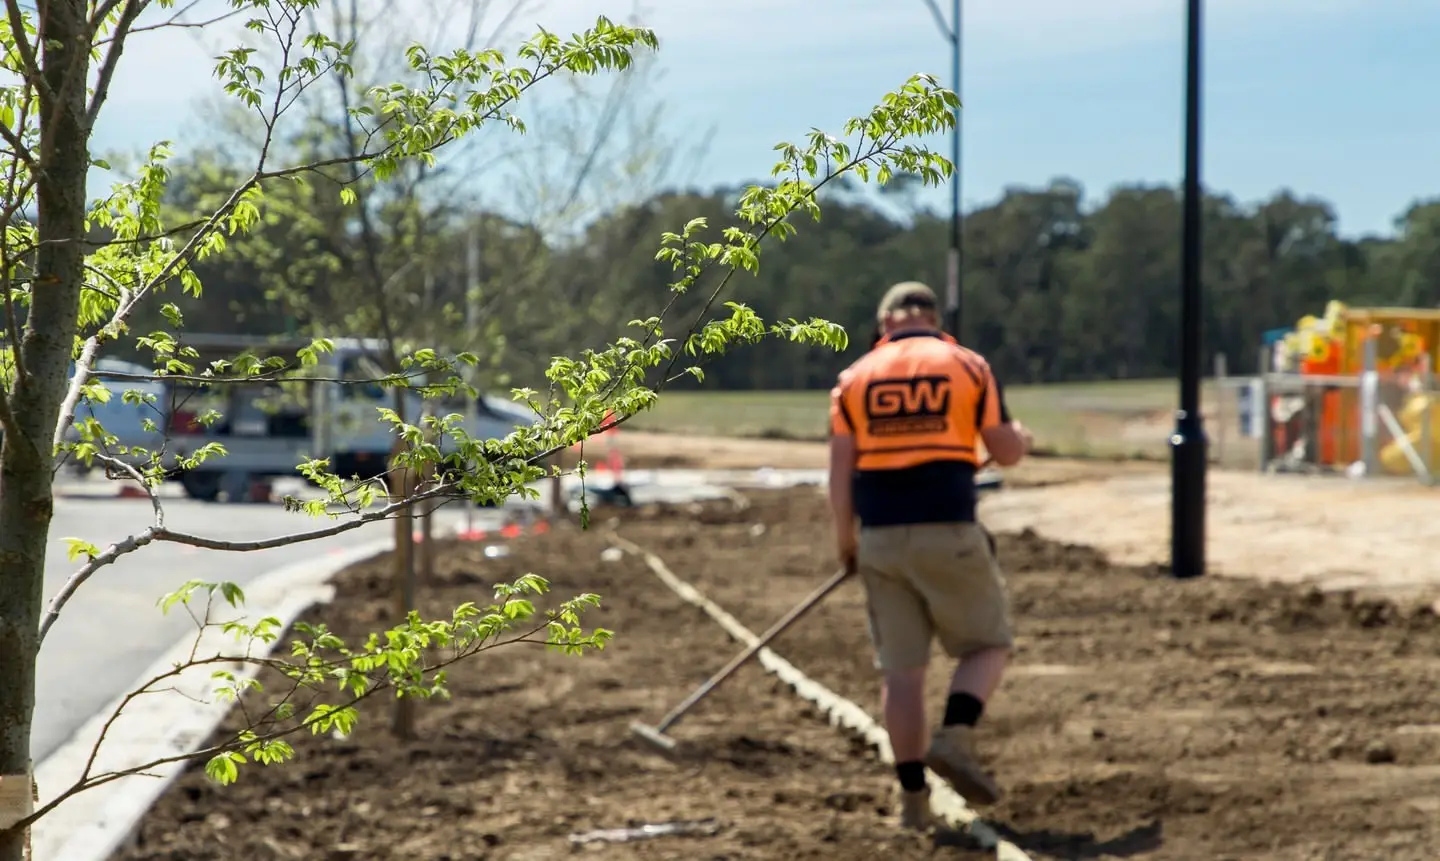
(268, 428)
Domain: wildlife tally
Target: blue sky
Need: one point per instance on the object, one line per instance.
(1328, 97)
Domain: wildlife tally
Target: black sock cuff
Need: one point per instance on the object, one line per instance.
(964, 709)
(912, 775)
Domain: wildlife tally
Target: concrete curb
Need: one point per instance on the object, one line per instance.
(842, 713)
(174, 721)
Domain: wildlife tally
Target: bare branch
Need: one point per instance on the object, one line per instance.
(132, 10)
(134, 473)
(147, 688)
(102, 11)
(67, 591)
(174, 22)
(7, 417)
(121, 291)
(138, 240)
(537, 636)
(605, 127)
(276, 375)
(31, 70)
(22, 152)
(158, 532)
(15, 194)
(77, 385)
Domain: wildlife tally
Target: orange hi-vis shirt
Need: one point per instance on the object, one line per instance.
(916, 404)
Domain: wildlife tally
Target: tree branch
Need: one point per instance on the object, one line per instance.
(134, 473)
(174, 22)
(159, 532)
(88, 781)
(132, 10)
(262, 377)
(22, 152)
(15, 194)
(31, 70)
(138, 240)
(77, 385)
(178, 261)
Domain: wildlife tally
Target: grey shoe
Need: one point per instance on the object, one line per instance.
(915, 810)
(952, 756)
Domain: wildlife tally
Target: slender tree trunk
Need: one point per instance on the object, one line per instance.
(402, 723)
(27, 455)
(425, 576)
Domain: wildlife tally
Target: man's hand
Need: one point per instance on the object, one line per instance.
(841, 493)
(1025, 435)
(846, 548)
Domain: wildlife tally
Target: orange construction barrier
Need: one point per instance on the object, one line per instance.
(1324, 360)
(612, 461)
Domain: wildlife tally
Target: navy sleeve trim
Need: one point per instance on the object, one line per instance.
(1000, 392)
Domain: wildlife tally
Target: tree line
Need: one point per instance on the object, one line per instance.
(1058, 286)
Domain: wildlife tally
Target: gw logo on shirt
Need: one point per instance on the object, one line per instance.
(908, 405)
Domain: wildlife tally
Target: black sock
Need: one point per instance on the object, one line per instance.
(964, 709)
(912, 775)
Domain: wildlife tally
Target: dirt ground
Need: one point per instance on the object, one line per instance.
(1326, 532)
(1329, 532)
(1144, 718)
(647, 450)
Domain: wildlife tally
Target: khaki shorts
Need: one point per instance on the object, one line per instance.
(932, 580)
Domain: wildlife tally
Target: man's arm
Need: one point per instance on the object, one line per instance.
(1005, 439)
(842, 472)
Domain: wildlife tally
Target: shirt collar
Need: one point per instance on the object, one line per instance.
(916, 333)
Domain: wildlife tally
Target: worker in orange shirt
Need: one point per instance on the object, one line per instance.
(906, 420)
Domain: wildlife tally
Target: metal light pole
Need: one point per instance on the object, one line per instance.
(954, 265)
(1187, 443)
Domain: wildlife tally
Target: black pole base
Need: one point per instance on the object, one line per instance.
(1189, 454)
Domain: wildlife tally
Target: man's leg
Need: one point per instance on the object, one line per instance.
(976, 677)
(903, 701)
(901, 631)
(965, 592)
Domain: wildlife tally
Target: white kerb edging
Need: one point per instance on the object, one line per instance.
(172, 722)
(946, 804)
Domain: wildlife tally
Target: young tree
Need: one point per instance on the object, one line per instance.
(68, 295)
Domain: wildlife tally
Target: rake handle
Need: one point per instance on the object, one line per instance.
(739, 660)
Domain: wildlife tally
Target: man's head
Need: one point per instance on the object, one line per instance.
(908, 305)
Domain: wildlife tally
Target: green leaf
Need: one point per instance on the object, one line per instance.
(77, 547)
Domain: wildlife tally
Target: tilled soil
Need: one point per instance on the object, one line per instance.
(1142, 718)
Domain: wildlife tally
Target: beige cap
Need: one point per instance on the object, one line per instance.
(907, 294)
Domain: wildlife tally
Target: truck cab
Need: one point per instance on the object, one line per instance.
(329, 410)
(135, 426)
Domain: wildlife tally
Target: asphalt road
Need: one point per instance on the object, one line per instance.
(112, 629)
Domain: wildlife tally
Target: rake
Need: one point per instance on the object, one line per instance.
(655, 735)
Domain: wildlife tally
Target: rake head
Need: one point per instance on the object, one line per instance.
(653, 737)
